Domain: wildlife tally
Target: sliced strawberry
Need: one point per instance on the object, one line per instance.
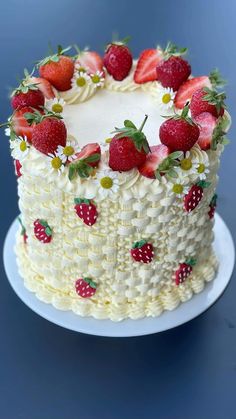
(206, 123)
(43, 85)
(153, 159)
(91, 61)
(88, 151)
(187, 89)
(20, 125)
(146, 66)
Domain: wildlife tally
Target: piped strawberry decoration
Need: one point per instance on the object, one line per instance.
(118, 59)
(194, 195)
(173, 70)
(184, 270)
(179, 132)
(23, 231)
(18, 167)
(146, 66)
(142, 251)
(88, 158)
(212, 206)
(129, 147)
(42, 231)
(85, 287)
(86, 210)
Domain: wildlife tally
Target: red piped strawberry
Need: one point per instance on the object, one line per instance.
(172, 71)
(207, 100)
(179, 132)
(194, 195)
(20, 124)
(212, 206)
(146, 65)
(184, 270)
(90, 61)
(85, 287)
(118, 60)
(42, 231)
(128, 148)
(58, 69)
(86, 210)
(142, 251)
(88, 158)
(18, 167)
(44, 86)
(23, 231)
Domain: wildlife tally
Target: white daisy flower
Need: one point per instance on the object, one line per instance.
(80, 80)
(108, 183)
(68, 153)
(56, 105)
(19, 148)
(8, 132)
(98, 78)
(178, 189)
(165, 97)
(55, 164)
(202, 170)
(188, 165)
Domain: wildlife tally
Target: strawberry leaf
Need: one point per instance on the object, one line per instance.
(129, 130)
(129, 124)
(215, 98)
(191, 262)
(216, 79)
(172, 50)
(218, 136)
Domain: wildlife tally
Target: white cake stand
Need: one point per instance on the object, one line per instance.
(224, 248)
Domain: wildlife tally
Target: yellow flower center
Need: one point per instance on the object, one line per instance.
(177, 188)
(80, 81)
(106, 182)
(108, 140)
(166, 98)
(81, 70)
(56, 163)
(68, 150)
(186, 164)
(57, 108)
(95, 78)
(23, 146)
(201, 168)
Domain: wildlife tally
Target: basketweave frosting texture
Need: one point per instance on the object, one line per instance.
(138, 208)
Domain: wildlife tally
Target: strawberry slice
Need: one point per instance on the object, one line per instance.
(186, 90)
(88, 151)
(206, 123)
(153, 159)
(91, 61)
(20, 125)
(146, 66)
(43, 85)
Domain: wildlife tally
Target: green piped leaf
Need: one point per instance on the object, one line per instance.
(81, 201)
(191, 262)
(90, 282)
(203, 184)
(139, 244)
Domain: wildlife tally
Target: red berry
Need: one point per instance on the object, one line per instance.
(123, 155)
(118, 61)
(199, 104)
(44, 86)
(186, 90)
(178, 134)
(49, 134)
(182, 273)
(153, 159)
(59, 73)
(193, 197)
(206, 123)
(90, 61)
(32, 98)
(146, 66)
(142, 251)
(85, 287)
(86, 210)
(42, 231)
(173, 72)
(88, 151)
(211, 212)
(20, 125)
(212, 206)
(18, 167)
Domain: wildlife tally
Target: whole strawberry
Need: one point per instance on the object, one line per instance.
(184, 270)
(212, 206)
(85, 287)
(172, 70)
(86, 210)
(58, 69)
(142, 251)
(33, 97)
(207, 100)
(179, 132)
(42, 231)
(194, 196)
(49, 131)
(118, 60)
(129, 147)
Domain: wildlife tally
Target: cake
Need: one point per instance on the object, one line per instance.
(117, 221)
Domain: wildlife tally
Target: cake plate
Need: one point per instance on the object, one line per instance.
(224, 248)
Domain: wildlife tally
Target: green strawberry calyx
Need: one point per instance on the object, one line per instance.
(36, 117)
(90, 282)
(23, 229)
(139, 244)
(191, 262)
(203, 184)
(167, 166)
(25, 84)
(48, 230)
(78, 201)
(53, 58)
(136, 134)
(216, 79)
(184, 115)
(219, 133)
(82, 167)
(173, 50)
(215, 98)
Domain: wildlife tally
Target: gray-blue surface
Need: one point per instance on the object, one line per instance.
(50, 373)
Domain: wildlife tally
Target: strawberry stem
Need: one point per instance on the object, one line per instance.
(143, 123)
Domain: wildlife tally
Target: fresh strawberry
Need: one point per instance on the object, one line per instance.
(212, 206)
(184, 270)
(207, 100)
(86, 210)
(44, 86)
(58, 69)
(23, 231)
(194, 196)
(142, 251)
(33, 97)
(85, 287)
(186, 90)
(118, 60)
(146, 65)
(179, 132)
(20, 125)
(42, 231)
(49, 131)
(89, 150)
(206, 123)
(172, 70)
(18, 167)
(129, 147)
(90, 61)
(160, 162)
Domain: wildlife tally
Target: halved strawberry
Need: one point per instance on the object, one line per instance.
(206, 123)
(187, 89)
(20, 125)
(146, 65)
(153, 159)
(43, 85)
(90, 61)
(88, 151)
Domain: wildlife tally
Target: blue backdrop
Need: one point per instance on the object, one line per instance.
(47, 372)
